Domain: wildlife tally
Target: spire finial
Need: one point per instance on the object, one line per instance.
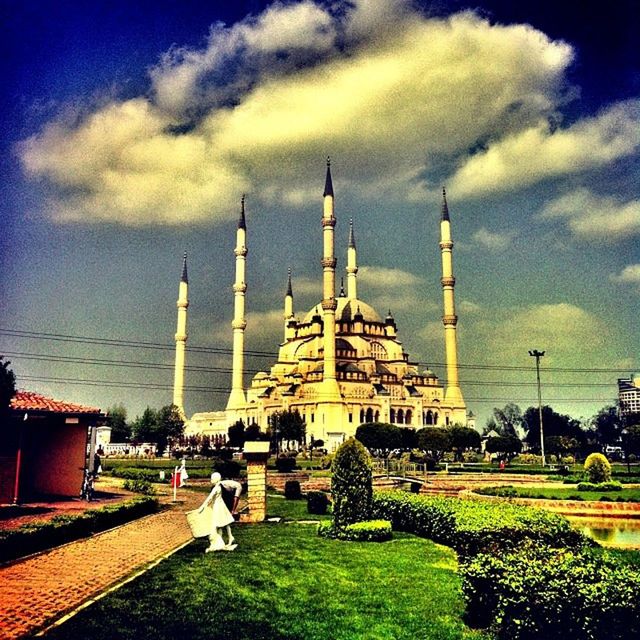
(328, 184)
(289, 288)
(445, 208)
(242, 223)
(184, 277)
(352, 239)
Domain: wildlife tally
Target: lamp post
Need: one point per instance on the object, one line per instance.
(534, 353)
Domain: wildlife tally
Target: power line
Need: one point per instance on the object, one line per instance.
(271, 354)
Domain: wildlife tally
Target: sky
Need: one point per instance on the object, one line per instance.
(130, 131)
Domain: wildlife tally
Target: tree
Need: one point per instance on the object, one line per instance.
(631, 440)
(170, 427)
(287, 426)
(351, 487)
(379, 436)
(462, 438)
(435, 441)
(597, 468)
(7, 386)
(144, 427)
(554, 424)
(505, 446)
(608, 424)
(117, 420)
(409, 438)
(236, 434)
(253, 432)
(561, 445)
(508, 420)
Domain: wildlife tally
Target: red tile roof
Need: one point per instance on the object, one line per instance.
(30, 401)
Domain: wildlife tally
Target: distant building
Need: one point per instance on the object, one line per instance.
(340, 364)
(629, 395)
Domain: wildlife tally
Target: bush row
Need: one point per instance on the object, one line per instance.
(544, 592)
(366, 531)
(226, 468)
(36, 536)
(526, 573)
(600, 486)
(474, 527)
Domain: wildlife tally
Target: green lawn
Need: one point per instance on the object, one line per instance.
(563, 493)
(284, 582)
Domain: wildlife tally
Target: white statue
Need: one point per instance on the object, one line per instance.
(184, 476)
(221, 517)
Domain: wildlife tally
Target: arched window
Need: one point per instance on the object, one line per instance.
(392, 416)
(400, 416)
(378, 351)
(369, 414)
(407, 417)
(430, 417)
(377, 416)
(435, 417)
(361, 416)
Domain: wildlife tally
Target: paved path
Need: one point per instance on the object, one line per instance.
(39, 590)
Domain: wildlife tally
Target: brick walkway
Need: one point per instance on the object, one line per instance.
(39, 590)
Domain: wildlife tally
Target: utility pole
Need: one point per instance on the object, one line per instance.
(537, 355)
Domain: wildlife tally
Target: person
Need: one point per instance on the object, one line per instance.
(221, 517)
(184, 476)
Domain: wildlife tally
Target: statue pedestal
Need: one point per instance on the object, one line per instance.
(256, 453)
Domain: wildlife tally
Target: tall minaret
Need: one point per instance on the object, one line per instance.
(288, 306)
(352, 265)
(330, 389)
(237, 397)
(181, 339)
(453, 395)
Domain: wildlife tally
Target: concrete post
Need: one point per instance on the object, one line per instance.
(256, 454)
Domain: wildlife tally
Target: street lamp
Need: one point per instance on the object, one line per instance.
(534, 353)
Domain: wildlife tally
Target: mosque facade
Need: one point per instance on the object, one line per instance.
(340, 364)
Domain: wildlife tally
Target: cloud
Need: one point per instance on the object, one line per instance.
(539, 152)
(493, 241)
(595, 218)
(384, 277)
(629, 275)
(266, 99)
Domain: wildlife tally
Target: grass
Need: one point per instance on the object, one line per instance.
(563, 493)
(284, 582)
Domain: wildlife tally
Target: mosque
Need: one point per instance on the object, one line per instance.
(339, 365)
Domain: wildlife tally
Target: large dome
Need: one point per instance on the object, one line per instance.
(347, 308)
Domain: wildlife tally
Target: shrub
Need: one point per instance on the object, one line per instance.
(139, 485)
(474, 527)
(226, 468)
(285, 464)
(367, 531)
(471, 456)
(292, 490)
(351, 484)
(317, 502)
(578, 594)
(598, 468)
(601, 486)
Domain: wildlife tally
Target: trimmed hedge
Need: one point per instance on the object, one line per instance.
(542, 592)
(317, 502)
(285, 464)
(37, 536)
(600, 486)
(292, 490)
(139, 485)
(367, 531)
(475, 527)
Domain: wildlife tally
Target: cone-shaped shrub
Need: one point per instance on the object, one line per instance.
(598, 468)
(351, 484)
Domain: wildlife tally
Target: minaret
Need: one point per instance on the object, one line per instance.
(328, 289)
(352, 265)
(181, 339)
(237, 397)
(288, 307)
(453, 395)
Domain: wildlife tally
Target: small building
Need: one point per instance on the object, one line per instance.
(629, 395)
(43, 447)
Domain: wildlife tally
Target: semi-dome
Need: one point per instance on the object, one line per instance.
(346, 310)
